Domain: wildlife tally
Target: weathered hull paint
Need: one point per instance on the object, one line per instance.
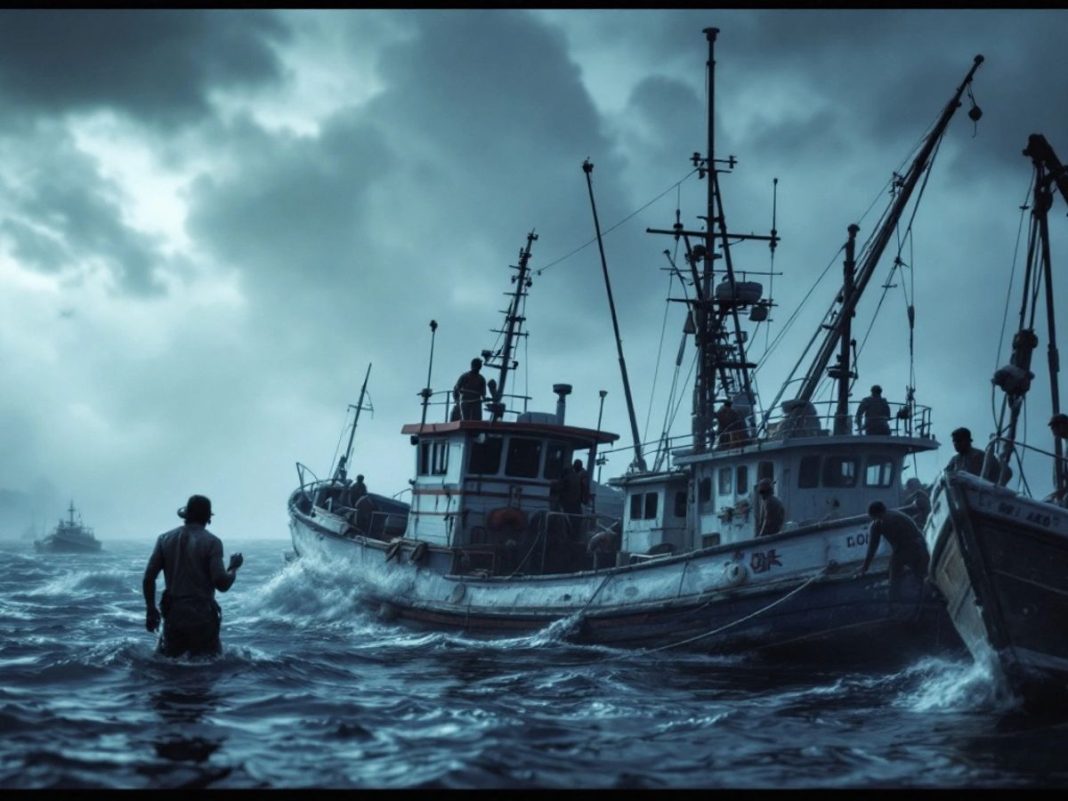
(774, 595)
(1001, 561)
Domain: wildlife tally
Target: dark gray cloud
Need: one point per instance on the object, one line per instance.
(156, 65)
(69, 215)
(322, 246)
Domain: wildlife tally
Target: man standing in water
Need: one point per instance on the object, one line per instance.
(190, 557)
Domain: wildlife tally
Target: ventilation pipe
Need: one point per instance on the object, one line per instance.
(562, 391)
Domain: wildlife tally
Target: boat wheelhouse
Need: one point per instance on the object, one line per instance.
(710, 498)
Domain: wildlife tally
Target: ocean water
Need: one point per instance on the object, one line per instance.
(313, 691)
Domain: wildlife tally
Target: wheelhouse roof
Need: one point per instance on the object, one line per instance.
(547, 430)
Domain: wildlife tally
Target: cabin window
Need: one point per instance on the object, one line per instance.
(433, 457)
(524, 457)
(879, 472)
(808, 473)
(724, 481)
(636, 506)
(704, 491)
(485, 458)
(766, 470)
(680, 503)
(558, 455)
(650, 505)
(840, 471)
(439, 458)
(741, 479)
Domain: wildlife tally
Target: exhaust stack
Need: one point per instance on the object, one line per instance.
(562, 391)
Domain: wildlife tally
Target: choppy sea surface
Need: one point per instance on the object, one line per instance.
(313, 691)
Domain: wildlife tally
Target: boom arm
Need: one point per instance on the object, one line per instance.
(882, 237)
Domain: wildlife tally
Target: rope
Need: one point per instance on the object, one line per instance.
(659, 356)
(750, 616)
(609, 230)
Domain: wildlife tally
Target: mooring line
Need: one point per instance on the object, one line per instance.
(750, 616)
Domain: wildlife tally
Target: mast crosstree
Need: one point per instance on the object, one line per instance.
(723, 369)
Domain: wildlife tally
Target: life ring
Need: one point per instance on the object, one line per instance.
(393, 549)
(506, 517)
(419, 552)
(734, 574)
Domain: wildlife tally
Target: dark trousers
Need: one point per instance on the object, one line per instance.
(191, 626)
(913, 559)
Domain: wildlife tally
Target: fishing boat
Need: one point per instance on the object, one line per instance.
(998, 555)
(495, 542)
(341, 507)
(69, 536)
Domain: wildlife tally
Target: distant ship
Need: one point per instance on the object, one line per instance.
(69, 536)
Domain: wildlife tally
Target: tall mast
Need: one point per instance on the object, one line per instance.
(1015, 378)
(718, 334)
(842, 371)
(513, 323)
(639, 459)
(882, 238)
(356, 419)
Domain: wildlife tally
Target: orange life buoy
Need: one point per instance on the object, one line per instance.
(506, 517)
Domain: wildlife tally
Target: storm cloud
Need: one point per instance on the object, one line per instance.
(211, 222)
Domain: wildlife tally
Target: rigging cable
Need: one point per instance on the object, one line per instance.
(668, 416)
(908, 235)
(526, 359)
(659, 356)
(610, 229)
(997, 419)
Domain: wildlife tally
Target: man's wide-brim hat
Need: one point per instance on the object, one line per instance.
(197, 507)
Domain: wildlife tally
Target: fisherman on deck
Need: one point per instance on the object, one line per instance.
(190, 557)
(770, 512)
(730, 425)
(873, 413)
(1058, 426)
(906, 541)
(916, 495)
(469, 392)
(357, 490)
(603, 547)
(970, 459)
(573, 489)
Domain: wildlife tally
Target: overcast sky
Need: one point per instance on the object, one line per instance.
(211, 222)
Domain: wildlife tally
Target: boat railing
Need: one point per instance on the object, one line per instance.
(996, 449)
(551, 542)
(442, 399)
(811, 420)
(822, 419)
